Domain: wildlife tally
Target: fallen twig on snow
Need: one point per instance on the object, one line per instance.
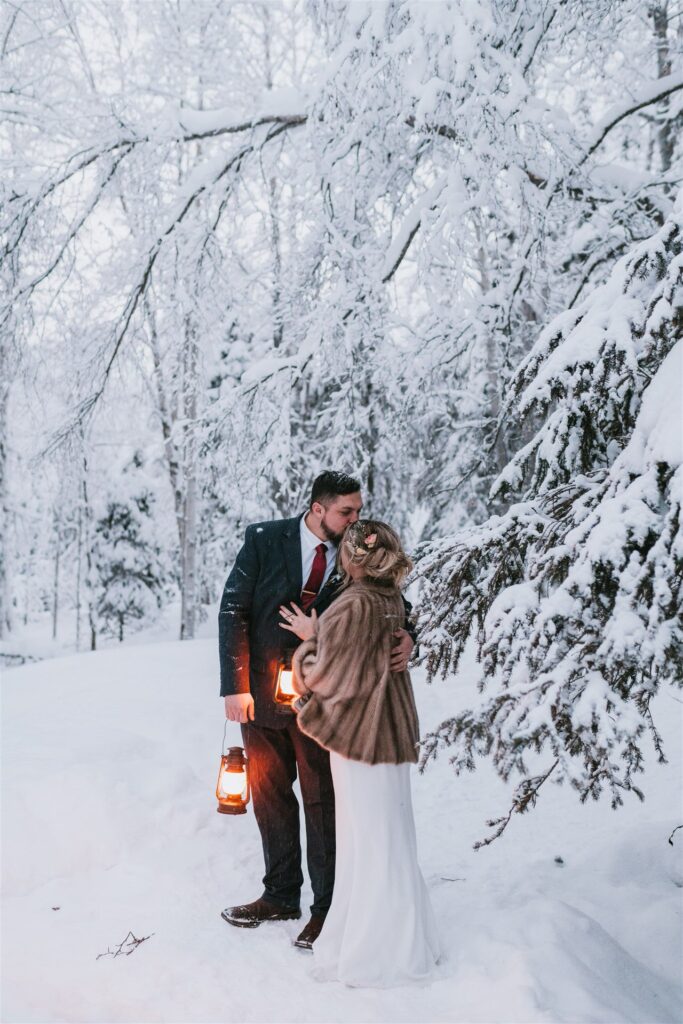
(133, 943)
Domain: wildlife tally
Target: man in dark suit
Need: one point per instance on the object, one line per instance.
(290, 561)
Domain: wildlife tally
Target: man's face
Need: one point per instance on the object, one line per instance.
(336, 516)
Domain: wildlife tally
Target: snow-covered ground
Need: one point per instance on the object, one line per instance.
(109, 764)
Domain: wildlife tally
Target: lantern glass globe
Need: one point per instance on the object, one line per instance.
(233, 783)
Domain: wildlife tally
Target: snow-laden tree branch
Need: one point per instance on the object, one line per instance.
(654, 93)
(574, 594)
(271, 239)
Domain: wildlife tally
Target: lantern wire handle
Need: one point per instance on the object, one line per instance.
(224, 734)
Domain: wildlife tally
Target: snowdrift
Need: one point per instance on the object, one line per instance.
(109, 764)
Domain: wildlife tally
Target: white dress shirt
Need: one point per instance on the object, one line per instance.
(309, 543)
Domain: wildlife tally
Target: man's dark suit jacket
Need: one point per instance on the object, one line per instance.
(266, 574)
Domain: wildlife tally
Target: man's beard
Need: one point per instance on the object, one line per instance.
(330, 534)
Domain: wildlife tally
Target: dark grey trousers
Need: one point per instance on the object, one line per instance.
(276, 756)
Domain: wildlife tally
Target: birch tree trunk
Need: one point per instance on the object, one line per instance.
(55, 582)
(5, 610)
(79, 569)
(181, 459)
(87, 521)
(665, 129)
(188, 614)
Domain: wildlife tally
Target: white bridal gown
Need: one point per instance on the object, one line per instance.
(380, 930)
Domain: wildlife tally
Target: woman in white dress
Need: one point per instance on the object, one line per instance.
(380, 929)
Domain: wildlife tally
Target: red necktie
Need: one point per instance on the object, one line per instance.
(308, 594)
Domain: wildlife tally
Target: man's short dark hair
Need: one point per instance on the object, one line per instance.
(330, 484)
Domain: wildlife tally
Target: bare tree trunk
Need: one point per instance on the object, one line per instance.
(5, 610)
(278, 324)
(87, 517)
(79, 563)
(55, 586)
(492, 356)
(188, 613)
(666, 130)
(181, 463)
(190, 405)
(273, 199)
(166, 419)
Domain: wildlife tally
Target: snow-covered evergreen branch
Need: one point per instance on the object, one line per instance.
(575, 593)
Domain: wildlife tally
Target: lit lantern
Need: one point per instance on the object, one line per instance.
(284, 687)
(232, 789)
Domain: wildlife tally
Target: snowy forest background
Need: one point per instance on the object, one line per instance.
(435, 244)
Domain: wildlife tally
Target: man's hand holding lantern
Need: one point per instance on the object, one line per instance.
(239, 707)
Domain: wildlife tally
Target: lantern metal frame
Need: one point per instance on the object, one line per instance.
(232, 803)
(284, 700)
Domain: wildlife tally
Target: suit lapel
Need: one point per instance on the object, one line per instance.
(291, 546)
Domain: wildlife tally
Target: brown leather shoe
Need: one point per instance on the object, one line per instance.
(310, 932)
(251, 915)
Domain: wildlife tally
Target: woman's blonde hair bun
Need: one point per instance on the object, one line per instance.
(377, 548)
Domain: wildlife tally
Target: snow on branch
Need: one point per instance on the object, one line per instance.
(574, 594)
(265, 369)
(587, 370)
(109, 351)
(187, 126)
(409, 228)
(97, 193)
(277, 106)
(653, 93)
(210, 124)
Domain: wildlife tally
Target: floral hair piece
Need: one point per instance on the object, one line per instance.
(365, 544)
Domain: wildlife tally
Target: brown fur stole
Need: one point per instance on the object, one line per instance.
(351, 701)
